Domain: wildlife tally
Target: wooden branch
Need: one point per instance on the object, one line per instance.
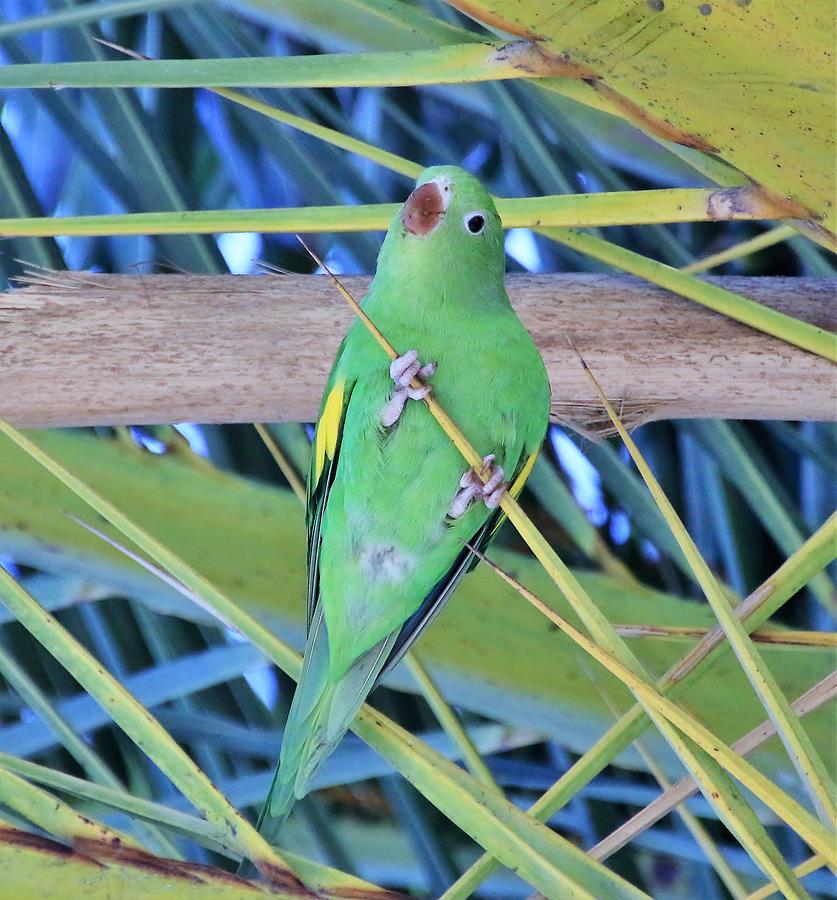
(83, 349)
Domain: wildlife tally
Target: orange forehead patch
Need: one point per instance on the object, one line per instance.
(423, 209)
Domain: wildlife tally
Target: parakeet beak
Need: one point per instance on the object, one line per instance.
(425, 208)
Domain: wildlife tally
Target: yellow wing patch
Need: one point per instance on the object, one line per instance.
(328, 428)
(517, 486)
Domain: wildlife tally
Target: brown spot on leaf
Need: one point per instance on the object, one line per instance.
(99, 853)
(730, 203)
(18, 838)
(753, 202)
(537, 59)
(194, 873)
(135, 857)
(423, 209)
(361, 894)
(643, 119)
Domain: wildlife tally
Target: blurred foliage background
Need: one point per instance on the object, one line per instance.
(749, 492)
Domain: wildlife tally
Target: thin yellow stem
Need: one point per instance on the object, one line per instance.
(284, 465)
(760, 242)
(450, 722)
(804, 868)
(774, 636)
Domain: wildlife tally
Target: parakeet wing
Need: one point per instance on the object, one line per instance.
(324, 456)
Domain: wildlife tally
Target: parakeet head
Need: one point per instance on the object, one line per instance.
(447, 226)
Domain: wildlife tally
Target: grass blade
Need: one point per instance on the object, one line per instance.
(691, 822)
(17, 677)
(447, 787)
(54, 816)
(817, 696)
(85, 14)
(201, 830)
(786, 328)
(388, 160)
(138, 723)
(459, 63)
(810, 865)
(801, 750)
(776, 636)
(815, 554)
(768, 238)
(805, 824)
(450, 722)
(558, 210)
(736, 460)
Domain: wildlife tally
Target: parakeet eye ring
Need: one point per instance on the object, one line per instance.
(475, 222)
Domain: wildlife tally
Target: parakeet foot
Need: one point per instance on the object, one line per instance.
(402, 371)
(471, 487)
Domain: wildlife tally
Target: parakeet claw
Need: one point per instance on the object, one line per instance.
(407, 367)
(402, 371)
(472, 487)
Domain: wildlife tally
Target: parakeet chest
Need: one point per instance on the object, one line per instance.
(407, 475)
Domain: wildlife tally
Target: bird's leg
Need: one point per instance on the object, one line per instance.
(471, 487)
(402, 371)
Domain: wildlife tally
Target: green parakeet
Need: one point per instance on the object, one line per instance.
(390, 499)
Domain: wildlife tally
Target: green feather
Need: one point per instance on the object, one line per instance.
(381, 548)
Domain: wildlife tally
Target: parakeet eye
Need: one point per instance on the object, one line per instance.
(475, 222)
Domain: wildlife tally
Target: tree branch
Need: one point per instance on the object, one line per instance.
(83, 349)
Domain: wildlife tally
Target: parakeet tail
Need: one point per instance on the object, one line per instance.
(322, 710)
